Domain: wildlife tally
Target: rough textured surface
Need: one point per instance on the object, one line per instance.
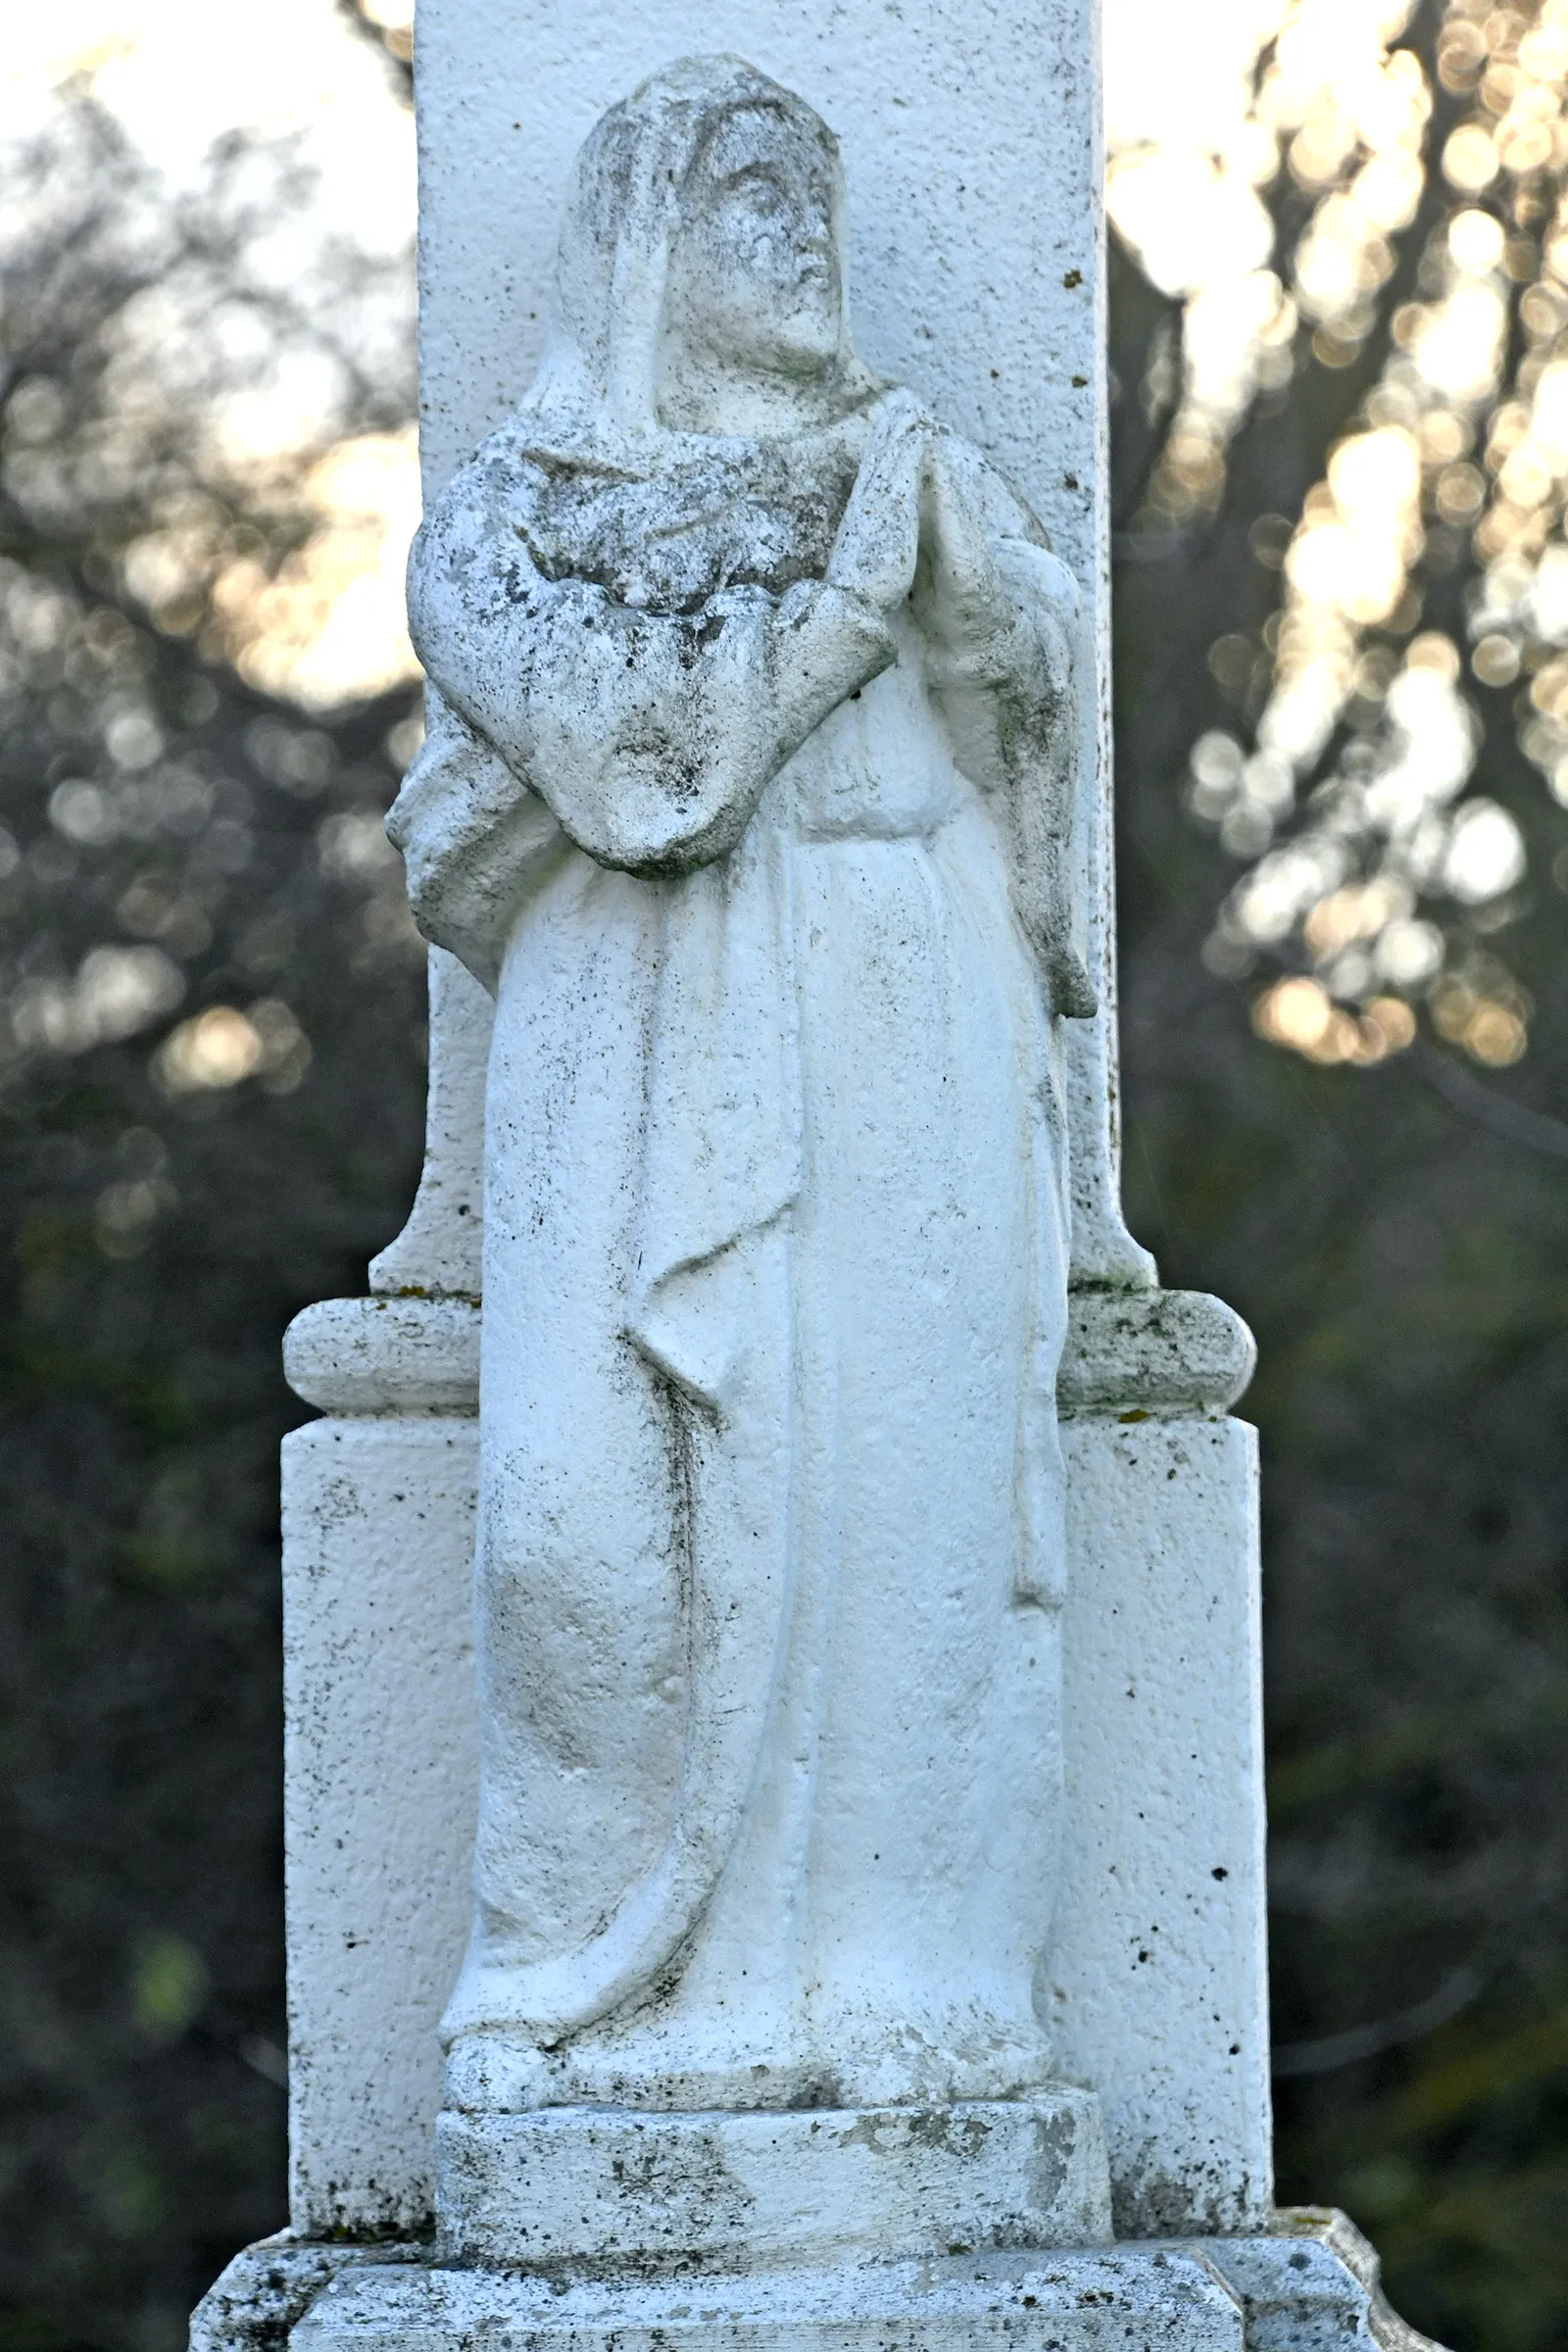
(1124, 2299)
(380, 1774)
(748, 789)
(1339, 2237)
(441, 1247)
(1154, 1351)
(737, 2191)
(1294, 2297)
(1309, 2285)
(1160, 1965)
(381, 1355)
(253, 2304)
(988, 309)
(1155, 1987)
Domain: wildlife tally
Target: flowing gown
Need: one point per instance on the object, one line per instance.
(771, 1514)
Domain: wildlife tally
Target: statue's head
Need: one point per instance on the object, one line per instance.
(756, 276)
(701, 279)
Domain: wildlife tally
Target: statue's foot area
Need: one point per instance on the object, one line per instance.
(746, 2189)
(949, 2060)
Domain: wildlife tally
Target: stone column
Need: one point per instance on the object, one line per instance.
(971, 142)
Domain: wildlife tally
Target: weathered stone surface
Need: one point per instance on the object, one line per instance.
(1149, 1352)
(734, 2191)
(253, 2305)
(1309, 2285)
(1124, 2299)
(1315, 2289)
(379, 1798)
(1151, 1985)
(1154, 1351)
(768, 782)
(386, 1355)
(750, 791)
(1160, 1629)
(1161, 1962)
(976, 245)
(989, 307)
(441, 1248)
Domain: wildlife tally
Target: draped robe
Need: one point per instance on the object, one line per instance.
(774, 1285)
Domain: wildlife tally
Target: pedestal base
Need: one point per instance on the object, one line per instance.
(1098, 2300)
(726, 2191)
(1311, 2285)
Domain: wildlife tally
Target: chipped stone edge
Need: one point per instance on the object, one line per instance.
(1160, 2287)
(270, 2287)
(1336, 2232)
(257, 2300)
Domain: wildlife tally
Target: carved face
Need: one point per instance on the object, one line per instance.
(754, 281)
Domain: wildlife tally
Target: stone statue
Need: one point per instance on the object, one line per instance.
(869, 1939)
(748, 793)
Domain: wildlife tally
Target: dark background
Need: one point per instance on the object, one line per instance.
(1397, 1238)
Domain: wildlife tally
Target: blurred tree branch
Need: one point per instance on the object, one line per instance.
(392, 35)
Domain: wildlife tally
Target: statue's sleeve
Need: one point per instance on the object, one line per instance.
(1003, 614)
(650, 736)
(474, 840)
(1003, 621)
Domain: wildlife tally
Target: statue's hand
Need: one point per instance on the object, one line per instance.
(964, 598)
(878, 541)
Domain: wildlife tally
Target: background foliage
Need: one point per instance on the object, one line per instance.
(210, 1092)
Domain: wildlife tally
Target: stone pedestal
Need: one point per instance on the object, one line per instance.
(1077, 2302)
(618, 2189)
(1161, 1972)
(1159, 1989)
(1309, 2285)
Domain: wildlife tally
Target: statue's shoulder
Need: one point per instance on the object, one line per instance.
(506, 464)
(523, 492)
(564, 494)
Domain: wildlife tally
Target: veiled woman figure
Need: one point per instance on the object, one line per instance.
(747, 791)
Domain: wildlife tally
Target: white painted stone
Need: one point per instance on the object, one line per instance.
(972, 135)
(1174, 1355)
(841, 2057)
(1296, 2296)
(1135, 1601)
(379, 1801)
(1312, 2285)
(386, 1354)
(255, 2301)
(440, 1249)
(738, 2191)
(1158, 1352)
(1155, 1352)
(749, 790)
(1124, 2299)
(1161, 1954)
